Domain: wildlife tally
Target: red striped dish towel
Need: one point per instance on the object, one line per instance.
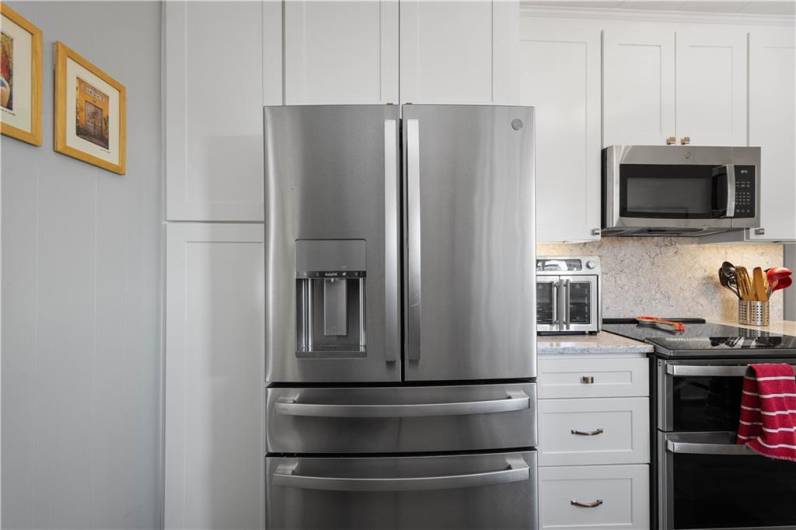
(768, 411)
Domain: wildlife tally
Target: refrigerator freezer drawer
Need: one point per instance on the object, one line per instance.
(483, 491)
(401, 419)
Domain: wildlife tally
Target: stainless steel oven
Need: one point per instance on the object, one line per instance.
(704, 479)
(679, 190)
(568, 295)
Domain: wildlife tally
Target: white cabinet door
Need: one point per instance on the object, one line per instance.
(341, 52)
(594, 497)
(638, 86)
(772, 114)
(559, 68)
(711, 86)
(458, 52)
(593, 431)
(222, 63)
(215, 323)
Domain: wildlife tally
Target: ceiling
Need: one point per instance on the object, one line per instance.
(752, 7)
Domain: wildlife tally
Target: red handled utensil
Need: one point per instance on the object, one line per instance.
(679, 327)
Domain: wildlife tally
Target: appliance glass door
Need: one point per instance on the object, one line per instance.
(547, 303)
(579, 308)
(470, 267)
(332, 279)
(673, 191)
(714, 483)
(475, 492)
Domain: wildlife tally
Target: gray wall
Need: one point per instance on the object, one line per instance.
(81, 359)
(790, 293)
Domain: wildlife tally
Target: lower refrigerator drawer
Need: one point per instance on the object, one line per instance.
(480, 491)
(401, 419)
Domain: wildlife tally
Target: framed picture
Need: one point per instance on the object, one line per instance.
(89, 112)
(20, 77)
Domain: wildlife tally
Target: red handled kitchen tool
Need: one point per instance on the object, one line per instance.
(778, 278)
(678, 327)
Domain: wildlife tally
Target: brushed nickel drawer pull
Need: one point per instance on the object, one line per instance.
(579, 504)
(587, 379)
(584, 433)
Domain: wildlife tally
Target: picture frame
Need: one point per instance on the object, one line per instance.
(90, 112)
(20, 77)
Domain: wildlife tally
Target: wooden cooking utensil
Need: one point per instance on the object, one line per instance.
(760, 285)
(744, 283)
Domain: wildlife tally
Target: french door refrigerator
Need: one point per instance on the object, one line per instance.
(400, 317)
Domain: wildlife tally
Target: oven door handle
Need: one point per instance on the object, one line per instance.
(515, 470)
(705, 370)
(691, 448)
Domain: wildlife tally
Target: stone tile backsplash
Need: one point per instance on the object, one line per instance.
(670, 277)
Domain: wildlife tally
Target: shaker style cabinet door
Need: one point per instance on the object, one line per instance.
(711, 86)
(559, 67)
(222, 63)
(215, 400)
(772, 69)
(638, 86)
(458, 52)
(341, 52)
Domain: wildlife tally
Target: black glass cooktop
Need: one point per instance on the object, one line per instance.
(706, 340)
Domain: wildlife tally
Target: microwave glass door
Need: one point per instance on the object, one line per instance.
(547, 303)
(673, 191)
(581, 303)
(714, 483)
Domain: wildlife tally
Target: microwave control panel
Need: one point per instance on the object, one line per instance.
(744, 191)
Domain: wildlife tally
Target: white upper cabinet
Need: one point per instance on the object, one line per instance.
(711, 86)
(559, 67)
(772, 114)
(660, 83)
(458, 52)
(638, 85)
(215, 89)
(341, 52)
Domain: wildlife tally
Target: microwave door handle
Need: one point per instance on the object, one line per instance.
(567, 287)
(730, 168)
(554, 296)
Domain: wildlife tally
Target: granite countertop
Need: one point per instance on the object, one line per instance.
(782, 327)
(602, 342)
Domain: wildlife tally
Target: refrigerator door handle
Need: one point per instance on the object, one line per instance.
(512, 402)
(516, 470)
(391, 266)
(413, 239)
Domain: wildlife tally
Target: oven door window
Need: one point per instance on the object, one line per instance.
(672, 191)
(582, 301)
(729, 488)
(546, 301)
(706, 403)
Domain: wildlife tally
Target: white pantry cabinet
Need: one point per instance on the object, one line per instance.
(222, 63)
(215, 353)
(772, 114)
(662, 82)
(638, 86)
(559, 69)
(341, 52)
(458, 51)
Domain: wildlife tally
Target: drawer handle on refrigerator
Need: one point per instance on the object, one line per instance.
(513, 402)
(517, 470)
(587, 433)
(593, 504)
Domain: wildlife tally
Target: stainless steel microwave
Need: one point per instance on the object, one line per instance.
(679, 190)
(568, 295)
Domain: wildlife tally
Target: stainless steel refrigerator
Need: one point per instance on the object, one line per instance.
(400, 317)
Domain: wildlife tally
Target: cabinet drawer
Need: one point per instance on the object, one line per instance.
(594, 497)
(579, 377)
(593, 431)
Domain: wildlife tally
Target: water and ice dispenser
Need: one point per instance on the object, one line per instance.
(331, 277)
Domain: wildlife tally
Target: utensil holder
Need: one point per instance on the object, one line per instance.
(753, 313)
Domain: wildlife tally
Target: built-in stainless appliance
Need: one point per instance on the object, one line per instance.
(679, 190)
(400, 312)
(568, 295)
(702, 478)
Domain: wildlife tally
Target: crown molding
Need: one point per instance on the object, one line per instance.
(643, 15)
